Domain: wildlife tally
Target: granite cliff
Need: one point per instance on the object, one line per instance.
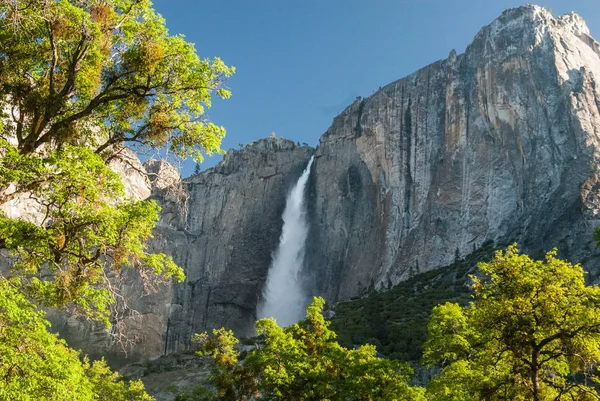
(221, 226)
(225, 237)
(499, 144)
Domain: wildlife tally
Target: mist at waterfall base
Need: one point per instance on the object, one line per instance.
(283, 296)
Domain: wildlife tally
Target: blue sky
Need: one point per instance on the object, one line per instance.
(301, 62)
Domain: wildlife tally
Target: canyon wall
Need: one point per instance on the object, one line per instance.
(498, 144)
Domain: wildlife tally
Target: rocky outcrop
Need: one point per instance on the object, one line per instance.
(499, 144)
(133, 174)
(222, 227)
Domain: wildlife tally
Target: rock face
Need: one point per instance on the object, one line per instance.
(222, 228)
(500, 144)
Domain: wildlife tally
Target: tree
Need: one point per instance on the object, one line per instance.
(532, 332)
(82, 235)
(80, 81)
(101, 73)
(36, 365)
(304, 362)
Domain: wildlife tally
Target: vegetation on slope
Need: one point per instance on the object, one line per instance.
(396, 320)
(530, 332)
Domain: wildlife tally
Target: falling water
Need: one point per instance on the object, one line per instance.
(283, 297)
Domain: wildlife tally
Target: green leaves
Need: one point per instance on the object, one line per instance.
(104, 73)
(304, 362)
(79, 80)
(87, 231)
(532, 326)
(36, 365)
(450, 335)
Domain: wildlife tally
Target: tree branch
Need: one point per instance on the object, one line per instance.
(54, 60)
(126, 14)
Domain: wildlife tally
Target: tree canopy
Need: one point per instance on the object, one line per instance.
(37, 365)
(532, 332)
(101, 73)
(304, 362)
(80, 81)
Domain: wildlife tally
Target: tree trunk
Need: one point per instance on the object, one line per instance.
(535, 382)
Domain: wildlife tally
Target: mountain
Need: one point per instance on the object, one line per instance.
(499, 144)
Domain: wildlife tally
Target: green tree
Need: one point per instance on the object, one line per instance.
(304, 362)
(532, 332)
(101, 73)
(79, 81)
(83, 232)
(37, 365)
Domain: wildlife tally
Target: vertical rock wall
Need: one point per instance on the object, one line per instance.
(491, 145)
(224, 234)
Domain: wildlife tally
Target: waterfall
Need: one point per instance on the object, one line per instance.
(283, 297)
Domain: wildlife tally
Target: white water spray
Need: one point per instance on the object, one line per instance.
(283, 297)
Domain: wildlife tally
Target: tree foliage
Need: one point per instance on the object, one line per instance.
(100, 73)
(532, 332)
(81, 229)
(79, 80)
(304, 362)
(37, 365)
